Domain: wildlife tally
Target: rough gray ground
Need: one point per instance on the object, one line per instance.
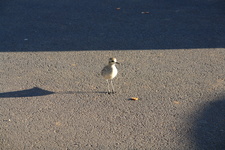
(173, 59)
(181, 100)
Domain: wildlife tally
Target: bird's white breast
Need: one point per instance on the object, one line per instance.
(114, 72)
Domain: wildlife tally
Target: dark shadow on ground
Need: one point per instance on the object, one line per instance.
(80, 92)
(26, 93)
(36, 91)
(74, 25)
(210, 126)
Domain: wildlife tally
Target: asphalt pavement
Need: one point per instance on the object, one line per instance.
(54, 25)
(171, 56)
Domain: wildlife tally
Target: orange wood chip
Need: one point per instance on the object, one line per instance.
(134, 98)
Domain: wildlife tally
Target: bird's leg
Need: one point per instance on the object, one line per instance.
(113, 91)
(108, 86)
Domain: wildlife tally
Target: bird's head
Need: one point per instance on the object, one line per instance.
(113, 61)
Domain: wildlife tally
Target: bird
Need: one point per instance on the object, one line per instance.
(109, 72)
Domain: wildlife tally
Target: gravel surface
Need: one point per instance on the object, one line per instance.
(172, 56)
(57, 100)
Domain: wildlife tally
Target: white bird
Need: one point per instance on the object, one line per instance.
(109, 72)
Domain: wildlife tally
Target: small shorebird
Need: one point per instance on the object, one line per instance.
(109, 72)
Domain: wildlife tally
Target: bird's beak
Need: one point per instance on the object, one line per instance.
(117, 63)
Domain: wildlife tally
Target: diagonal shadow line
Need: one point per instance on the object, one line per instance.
(36, 91)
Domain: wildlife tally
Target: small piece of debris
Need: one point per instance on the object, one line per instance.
(118, 8)
(7, 120)
(134, 98)
(145, 12)
(58, 123)
(176, 102)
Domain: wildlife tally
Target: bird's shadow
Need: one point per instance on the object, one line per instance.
(36, 91)
(80, 92)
